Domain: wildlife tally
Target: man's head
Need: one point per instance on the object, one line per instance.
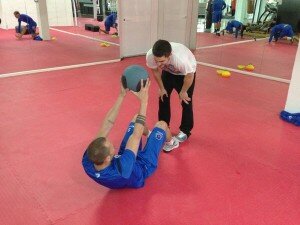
(17, 14)
(161, 50)
(100, 151)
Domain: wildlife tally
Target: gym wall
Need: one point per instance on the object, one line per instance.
(59, 12)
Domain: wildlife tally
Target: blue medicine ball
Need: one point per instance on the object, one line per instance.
(132, 76)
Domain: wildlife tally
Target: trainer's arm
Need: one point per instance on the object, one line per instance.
(187, 82)
(111, 116)
(157, 77)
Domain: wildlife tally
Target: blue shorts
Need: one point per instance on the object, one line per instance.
(217, 16)
(31, 29)
(147, 157)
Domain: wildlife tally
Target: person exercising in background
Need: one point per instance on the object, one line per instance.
(217, 6)
(282, 31)
(110, 21)
(235, 26)
(30, 26)
(133, 164)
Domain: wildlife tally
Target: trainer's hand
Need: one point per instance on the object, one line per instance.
(162, 93)
(183, 95)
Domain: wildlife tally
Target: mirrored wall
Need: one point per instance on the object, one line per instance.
(78, 34)
(258, 17)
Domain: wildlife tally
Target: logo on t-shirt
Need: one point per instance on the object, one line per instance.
(97, 175)
(171, 68)
(158, 135)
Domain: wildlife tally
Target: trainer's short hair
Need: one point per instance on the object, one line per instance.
(161, 48)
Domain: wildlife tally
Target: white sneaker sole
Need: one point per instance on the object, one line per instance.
(169, 150)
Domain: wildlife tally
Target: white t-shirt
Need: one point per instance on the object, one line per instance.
(182, 60)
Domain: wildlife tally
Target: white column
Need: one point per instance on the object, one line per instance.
(103, 7)
(42, 15)
(241, 11)
(293, 99)
(95, 6)
(192, 36)
(1, 16)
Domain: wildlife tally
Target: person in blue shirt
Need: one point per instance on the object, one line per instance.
(29, 28)
(217, 6)
(281, 31)
(133, 164)
(236, 27)
(110, 21)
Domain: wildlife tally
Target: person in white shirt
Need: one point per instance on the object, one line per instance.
(174, 67)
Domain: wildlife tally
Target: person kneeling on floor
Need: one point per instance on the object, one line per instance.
(30, 27)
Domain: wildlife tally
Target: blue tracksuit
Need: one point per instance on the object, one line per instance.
(31, 24)
(280, 31)
(234, 24)
(127, 170)
(218, 6)
(110, 21)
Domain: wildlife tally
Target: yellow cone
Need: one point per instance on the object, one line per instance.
(104, 44)
(249, 67)
(241, 67)
(225, 74)
(220, 72)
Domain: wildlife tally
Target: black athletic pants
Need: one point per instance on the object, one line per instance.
(170, 82)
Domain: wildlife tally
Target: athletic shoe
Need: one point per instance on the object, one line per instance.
(169, 146)
(290, 117)
(181, 137)
(38, 38)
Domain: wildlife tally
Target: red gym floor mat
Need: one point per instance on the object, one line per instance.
(66, 49)
(240, 166)
(271, 59)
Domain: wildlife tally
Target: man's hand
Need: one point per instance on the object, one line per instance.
(162, 93)
(123, 91)
(143, 93)
(183, 95)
